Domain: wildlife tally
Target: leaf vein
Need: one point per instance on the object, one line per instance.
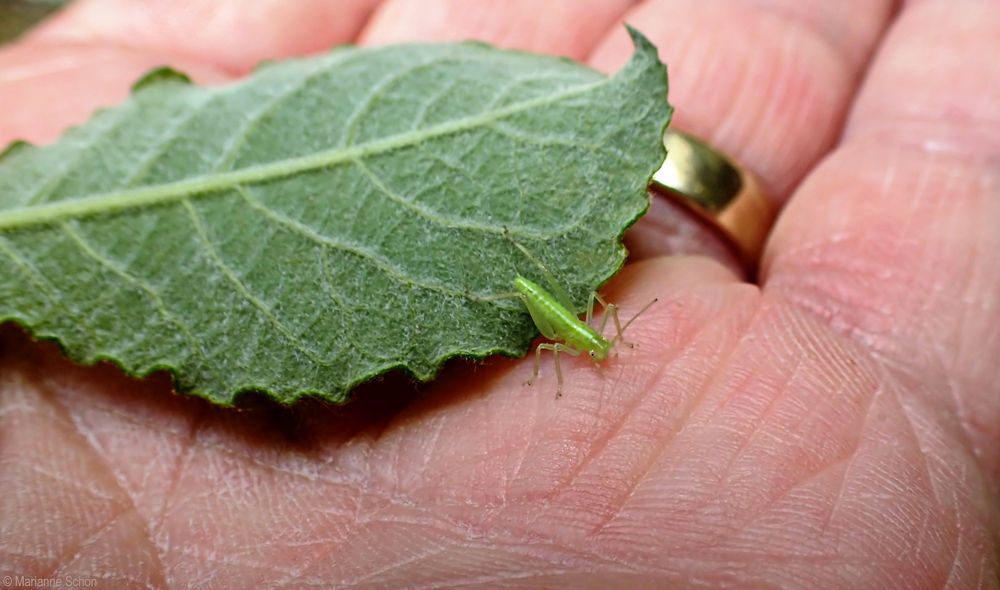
(352, 120)
(421, 113)
(50, 188)
(431, 214)
(231, 152)
(214, 184)
(104, 261)
(397, 274)
(543, 141)
(242, 288)
(29, 269)
(172, 134)
(515, 84)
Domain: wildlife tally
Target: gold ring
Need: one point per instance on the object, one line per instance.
(724, 194)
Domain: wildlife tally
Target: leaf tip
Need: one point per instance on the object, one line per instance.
(638, 39)
(645, 61)
(159, 76)
(645, 51)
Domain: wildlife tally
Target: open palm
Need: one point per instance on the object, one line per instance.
(837, 426)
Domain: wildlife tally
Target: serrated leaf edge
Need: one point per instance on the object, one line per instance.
(170, 192)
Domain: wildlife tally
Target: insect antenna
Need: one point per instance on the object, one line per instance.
(620, 334)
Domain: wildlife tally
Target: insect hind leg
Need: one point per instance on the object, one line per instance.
(556, 348)
(560, 294)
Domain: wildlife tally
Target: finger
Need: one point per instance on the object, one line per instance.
(778, 107)
(234, 35)
(566, 27)
(89, 56)
(767, 82)
(57, 86)
(893, 239)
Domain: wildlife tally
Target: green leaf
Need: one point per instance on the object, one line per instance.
(327, 219)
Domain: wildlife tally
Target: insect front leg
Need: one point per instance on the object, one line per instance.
(556, 348)
(609, 309)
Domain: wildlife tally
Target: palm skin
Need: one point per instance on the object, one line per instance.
(834, 426)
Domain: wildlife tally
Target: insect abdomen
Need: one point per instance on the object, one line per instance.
(564, 324)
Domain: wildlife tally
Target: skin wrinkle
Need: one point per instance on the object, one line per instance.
(834, 40)
(954, 508)
(515, 473)
(255, 462)
(725, 470)
(889, 357)
(597, 446)
(961, 409)
(574, 554)
(814, 256)
(215, 558)
(497, 531)
(68, 557)
(931, 481)
(951, 401)
(83, 487)
(953, 566)
(665, 441)
(158, 522)
(123, 498)
(850, 457)
(699, 396)
(796, 83)
(762, 419)
(387, 568)
(435, 439)
(827, 314)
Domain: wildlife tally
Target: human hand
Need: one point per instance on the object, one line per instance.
(835, 427)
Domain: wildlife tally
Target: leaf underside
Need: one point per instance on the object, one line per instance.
(327, 219)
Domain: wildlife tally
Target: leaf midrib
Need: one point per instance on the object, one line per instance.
(211, 184)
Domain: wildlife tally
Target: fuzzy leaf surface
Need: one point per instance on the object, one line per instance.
(327, 219)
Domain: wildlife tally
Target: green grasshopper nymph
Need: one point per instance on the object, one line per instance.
(554, 318)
